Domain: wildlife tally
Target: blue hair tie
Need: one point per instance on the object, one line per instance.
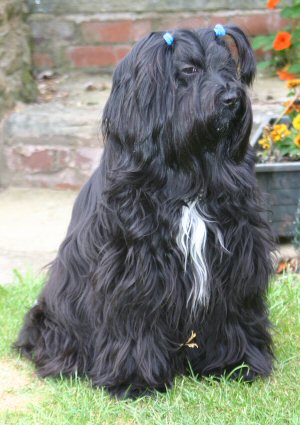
(219, 30)
(168, 38)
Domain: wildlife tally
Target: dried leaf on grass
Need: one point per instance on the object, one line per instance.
(288, 265)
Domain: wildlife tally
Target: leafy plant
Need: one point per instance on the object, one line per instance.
(284, 46)
(280, 140)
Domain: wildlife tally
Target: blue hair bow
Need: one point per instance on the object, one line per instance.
(168, 38)
(219, 30)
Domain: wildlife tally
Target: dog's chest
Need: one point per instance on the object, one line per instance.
(192, 241)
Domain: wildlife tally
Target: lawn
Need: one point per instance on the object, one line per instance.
(25, 399)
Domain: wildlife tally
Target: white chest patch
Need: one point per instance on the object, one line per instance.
(191, 240)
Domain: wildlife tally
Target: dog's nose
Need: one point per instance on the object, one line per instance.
(230, 98)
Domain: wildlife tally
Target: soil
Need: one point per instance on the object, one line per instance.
(14, 386)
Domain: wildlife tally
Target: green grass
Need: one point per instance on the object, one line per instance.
(275, 401)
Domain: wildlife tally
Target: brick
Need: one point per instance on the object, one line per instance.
(42, 60)
(107, 32)
(122, 31)
(140, 29)
(214, 20)
(258, 24)
(39, 159)
(58, 168)
(121, 52)
(191, 22)
(29, 158)
(64, 158)
(88, 56)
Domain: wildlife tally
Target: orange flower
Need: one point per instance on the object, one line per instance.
(297, 140)
(285, 76)
(292, 106)
(279, 132)
(282, 40)
(272, 4)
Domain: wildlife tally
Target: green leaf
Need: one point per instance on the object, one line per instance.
(264, 64)
(291, 93)
(296, 33)
(291, 12)
(294, 68)
(296, 49)
(264, 42)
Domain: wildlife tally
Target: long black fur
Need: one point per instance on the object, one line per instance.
(115, 306)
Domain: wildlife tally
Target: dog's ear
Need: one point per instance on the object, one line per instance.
(141, 102)
(242, 52)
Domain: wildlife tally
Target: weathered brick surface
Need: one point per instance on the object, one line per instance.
(121, 52)
(98, 41)
(91, 56)
(174, 22)
(24, 158)
(259, 23)
(106, 32)
(47, 166)
(122, 31)
(42, 60)
(50, 145)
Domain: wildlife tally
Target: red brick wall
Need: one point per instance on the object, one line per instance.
(94, 42)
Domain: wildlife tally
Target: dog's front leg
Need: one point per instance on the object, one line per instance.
(234, 341)
(138, 302)
(132, 360)
(235, 334)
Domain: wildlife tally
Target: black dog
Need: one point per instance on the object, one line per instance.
(167, 258)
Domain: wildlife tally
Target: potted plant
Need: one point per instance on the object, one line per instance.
(277, 145)
(277, 141)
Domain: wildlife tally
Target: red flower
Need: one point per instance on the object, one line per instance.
(272, 4)
(282, 41)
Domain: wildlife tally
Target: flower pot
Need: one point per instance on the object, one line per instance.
(280, 182)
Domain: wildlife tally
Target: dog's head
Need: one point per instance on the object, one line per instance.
(184, 98)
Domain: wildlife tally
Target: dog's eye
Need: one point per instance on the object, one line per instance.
(190, 70)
